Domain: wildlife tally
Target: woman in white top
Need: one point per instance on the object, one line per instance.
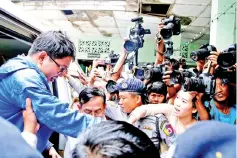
(180, 115)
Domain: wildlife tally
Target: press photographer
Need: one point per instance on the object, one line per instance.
(216, 82)
(199, 56)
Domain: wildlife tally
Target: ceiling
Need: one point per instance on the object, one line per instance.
(113, 18)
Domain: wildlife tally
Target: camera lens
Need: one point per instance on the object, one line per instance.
(193, 84)
(130, 46)
(175, 77)
(111, 86)
(226, 60)
(139, 73)
(166, 33)
(154, 74)
(148, 73)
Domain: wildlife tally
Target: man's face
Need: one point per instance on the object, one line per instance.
(156, 98)
(53, 69)
(222, 91)
(94, 107)
(129, 101)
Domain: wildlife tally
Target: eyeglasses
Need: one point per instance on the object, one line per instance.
(62, 68)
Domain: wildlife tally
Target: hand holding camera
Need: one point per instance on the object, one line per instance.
(166, 79)
(213, 58)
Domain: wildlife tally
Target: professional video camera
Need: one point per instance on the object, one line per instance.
(202, 52)
(228, 57)
(136, 36)
(112, 58)
(172, 27)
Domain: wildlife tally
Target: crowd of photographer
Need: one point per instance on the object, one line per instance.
(164, 100)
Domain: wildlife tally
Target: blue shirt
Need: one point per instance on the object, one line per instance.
(20, 78)
(218, 115)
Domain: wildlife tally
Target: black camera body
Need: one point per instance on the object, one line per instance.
(178, 77)
(172, 27)
(228, 57)
(155, 73)
(205, 83)
(203, 52)
(136, 36)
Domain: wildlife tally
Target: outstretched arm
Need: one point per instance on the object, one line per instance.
(150, 109)
(49, 110)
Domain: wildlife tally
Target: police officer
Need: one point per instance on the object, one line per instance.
(132, 93)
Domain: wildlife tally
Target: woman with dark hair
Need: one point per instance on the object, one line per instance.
(180, 115)
(114, 139)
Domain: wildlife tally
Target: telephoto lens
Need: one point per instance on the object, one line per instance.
(111, 86)
(177, 77)
(193, 84)
(228, 57)
(202, 53)
(172, 27)
(139, 73)
(154, 74)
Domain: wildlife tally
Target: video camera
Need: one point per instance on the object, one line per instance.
(228, 57)
(203, 52)
(136, 36)
(172, 27)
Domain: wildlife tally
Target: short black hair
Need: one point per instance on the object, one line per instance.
(115, 139)
(88, 93)
(157, 87)
(55, 43)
